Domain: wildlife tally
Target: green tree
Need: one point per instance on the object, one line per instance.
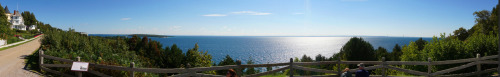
(251, 70)
(420, 43)
(29, 18)
(175, 56)
(356, 49)
(396, 53)
(4, 24)
(320, 57)
(226, 61)
(381, 52)
(461, 33)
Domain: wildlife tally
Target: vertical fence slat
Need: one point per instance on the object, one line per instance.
(291, 67)
(478, 56)
(429, 67)
(383, 67)
(132, 65)
(239, 70)
(339, 72)
(40, 53)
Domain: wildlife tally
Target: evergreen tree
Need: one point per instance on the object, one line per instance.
(251, 70)
(381, 52)
(461, 33)
(4, 24)
(227, 61)
(29, 18)
(396, 53)
(420, 43)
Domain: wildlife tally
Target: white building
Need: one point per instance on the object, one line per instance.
(17, 20)
(3, 42)
(32, 27)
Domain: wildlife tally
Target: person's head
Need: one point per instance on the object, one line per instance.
(345, 70)
(231, 73)
(361, 66)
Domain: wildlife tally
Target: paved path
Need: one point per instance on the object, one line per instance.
(12, 60)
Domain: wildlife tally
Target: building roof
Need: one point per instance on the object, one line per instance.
(6, 9)
(16, 13)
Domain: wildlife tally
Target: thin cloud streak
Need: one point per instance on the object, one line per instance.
(125, 19)
(250, 13)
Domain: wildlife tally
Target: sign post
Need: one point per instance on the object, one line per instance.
(79, 67)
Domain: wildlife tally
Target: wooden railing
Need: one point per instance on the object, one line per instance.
(185, 72)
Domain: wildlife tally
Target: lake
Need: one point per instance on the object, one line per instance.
(271, 49)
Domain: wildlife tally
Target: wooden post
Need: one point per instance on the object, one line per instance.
(291, 67)
(383, 67)
(78, 73)
(429, 67)
(478, 65)
(132, 66)
(339, 71)
(239, 71)
(186, 67)
(40, 53)
(189, 71)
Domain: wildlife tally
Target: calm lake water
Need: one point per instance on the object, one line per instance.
(267, 49)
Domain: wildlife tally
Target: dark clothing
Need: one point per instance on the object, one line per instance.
(346, 74)
(362, 73)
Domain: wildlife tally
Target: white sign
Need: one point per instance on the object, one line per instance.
(80, 66)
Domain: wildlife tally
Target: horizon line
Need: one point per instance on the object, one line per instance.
(281, 35)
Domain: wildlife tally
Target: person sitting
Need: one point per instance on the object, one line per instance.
(362, 72)
(231, 73)
(346, 73)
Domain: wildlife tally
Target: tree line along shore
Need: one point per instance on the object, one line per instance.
(463, 43)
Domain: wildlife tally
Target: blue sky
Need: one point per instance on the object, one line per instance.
(418, 18)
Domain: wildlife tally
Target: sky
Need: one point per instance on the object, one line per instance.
(414, 18)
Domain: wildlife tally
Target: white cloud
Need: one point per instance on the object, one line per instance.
(250, 13)
(175, 28)
(215, 15)
(125, 18)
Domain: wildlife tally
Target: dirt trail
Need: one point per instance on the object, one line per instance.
(12, 60)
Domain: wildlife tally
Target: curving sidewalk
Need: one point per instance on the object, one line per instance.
(12, 59)
(13, 44)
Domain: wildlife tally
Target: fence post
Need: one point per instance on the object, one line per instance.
(291, 67)
(339, 72)
(78, 73)
(478, 56)
(383, 67)
(132, 66)
(40, 53)
(239, 69)
(187, 68)
(429, 67)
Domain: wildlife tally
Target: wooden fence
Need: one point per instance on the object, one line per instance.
(185, 72)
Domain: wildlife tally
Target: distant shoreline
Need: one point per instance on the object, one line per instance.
(155, 35)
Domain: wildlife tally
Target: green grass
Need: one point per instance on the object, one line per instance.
(32, 62)
(11, 40)
(14, 45)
